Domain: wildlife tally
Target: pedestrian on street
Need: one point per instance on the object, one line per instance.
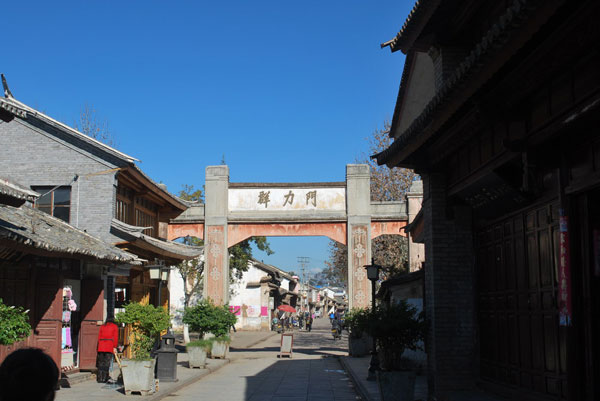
(28, 374)
(309, 322)
(331, 317)
(108, 340)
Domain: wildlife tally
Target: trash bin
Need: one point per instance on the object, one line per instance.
(166, 359)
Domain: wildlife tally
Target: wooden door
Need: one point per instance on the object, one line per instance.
(521, 342)
(48, 308)
(92, 312)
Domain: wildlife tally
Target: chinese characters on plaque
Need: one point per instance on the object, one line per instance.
(264, 197)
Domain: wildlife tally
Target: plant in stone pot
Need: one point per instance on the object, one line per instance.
(147, 322)
(359, 342)
(199, 317)
(396, 328)
(197, 352)
(223, 320)
(213, 321)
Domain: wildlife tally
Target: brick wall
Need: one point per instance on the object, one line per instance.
(40, 156)
(449, 290)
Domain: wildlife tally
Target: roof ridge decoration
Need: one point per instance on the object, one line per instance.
(7, 92)
(495, 37)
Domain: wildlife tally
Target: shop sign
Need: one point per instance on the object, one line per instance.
(564, 274)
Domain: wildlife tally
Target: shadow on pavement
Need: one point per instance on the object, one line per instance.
(303, 379)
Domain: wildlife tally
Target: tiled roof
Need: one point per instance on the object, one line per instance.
(16, 191)
(174, 248)
(496, 36)
(33, 228)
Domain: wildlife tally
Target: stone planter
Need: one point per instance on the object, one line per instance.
(196, 357)
(138, 376)
(359, 346)
(219, 350)
(396, 385)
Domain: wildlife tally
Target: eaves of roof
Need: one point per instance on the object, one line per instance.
(413, 25)
(13, 190)
(24, 112)
(428, 122)
(167, 248)
(35, 229)
(173, 200)
(272, 269)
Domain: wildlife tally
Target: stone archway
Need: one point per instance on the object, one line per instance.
(341, 211)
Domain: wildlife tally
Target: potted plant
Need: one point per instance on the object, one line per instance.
(207, 318)
(396, 328)
(147, 322)
(197, 352)
(14, 324)
(359, 342)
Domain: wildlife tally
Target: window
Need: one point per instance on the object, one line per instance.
(124, 204)
(55, 202)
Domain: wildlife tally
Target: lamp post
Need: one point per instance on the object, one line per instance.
(163, 276)
(373, 275)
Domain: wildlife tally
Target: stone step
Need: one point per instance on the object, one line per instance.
(69, 379)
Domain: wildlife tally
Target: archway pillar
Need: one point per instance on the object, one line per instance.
(216, 256)
(358, 204)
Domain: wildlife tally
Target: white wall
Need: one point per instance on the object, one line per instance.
(245, 302)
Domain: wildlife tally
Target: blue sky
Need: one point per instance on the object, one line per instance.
(284, 91)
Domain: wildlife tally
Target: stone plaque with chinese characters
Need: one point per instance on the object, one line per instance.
(286, 199)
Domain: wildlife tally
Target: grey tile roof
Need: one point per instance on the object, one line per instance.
(33, 228)
(17, 191)
(130, 232)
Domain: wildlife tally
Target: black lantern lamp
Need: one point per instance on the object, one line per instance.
(373, 275)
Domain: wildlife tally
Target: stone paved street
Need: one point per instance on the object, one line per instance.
(257, 374)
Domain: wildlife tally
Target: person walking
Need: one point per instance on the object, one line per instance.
(309, 322)
(108, 340)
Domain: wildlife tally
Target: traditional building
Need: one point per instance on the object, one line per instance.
(498, 112)
(95, 188)
(56, 271)
(256, 296)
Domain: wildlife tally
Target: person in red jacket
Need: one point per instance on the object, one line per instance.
(108, 340)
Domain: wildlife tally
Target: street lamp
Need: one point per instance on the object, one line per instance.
(373, 275)
(163, 276)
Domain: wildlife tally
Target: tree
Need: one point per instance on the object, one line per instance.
(390, 251)
(337, 265)
(388, 184)
(241, 254)
(91, 125)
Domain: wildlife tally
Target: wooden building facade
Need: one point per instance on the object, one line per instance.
(55, 271)
(504, 131)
